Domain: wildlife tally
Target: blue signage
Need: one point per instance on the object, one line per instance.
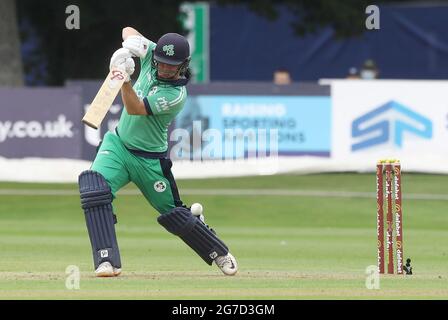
(223, 127)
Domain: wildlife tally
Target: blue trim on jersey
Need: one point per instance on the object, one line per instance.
(145, 154)
(147, 107)
(174, 83)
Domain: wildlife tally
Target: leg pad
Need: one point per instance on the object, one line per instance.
(96, 200)
(181, 222)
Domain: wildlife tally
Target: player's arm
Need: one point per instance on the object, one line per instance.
(137, 44)
(165, 101)
(133, 105)
(121, 60)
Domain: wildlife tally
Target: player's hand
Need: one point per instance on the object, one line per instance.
(128, 66)
(137, 45)
(121, 59)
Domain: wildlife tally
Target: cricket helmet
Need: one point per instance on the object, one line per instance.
(173, 49)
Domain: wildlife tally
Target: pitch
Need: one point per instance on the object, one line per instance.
(295, 237)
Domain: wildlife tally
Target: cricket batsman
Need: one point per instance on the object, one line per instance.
(137, 152)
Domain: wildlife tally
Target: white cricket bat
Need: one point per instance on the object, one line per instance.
(104, 98)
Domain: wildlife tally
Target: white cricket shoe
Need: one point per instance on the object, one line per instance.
(105, 269)
(227, 264)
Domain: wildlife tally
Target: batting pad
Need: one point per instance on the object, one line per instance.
(96, 200)
(181, 222)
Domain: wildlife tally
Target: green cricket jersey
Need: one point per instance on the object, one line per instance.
(163, 101)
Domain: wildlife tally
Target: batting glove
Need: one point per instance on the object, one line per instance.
(128, 66)
(137, 45)
(121, 59)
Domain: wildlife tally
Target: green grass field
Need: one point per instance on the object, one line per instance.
(289, 244)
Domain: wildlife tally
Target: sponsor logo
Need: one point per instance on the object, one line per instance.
(397, 188)
(399, 259)
(160, 186)
(253, 110)
(389, 236)
(213, 255)
(61, 128)
(114, 80)
(388, 185)
(389, 122)
(162, 104)
(104, 253)
(117, 75)
(398, 225)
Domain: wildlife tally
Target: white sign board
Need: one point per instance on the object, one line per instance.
(400, 119)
